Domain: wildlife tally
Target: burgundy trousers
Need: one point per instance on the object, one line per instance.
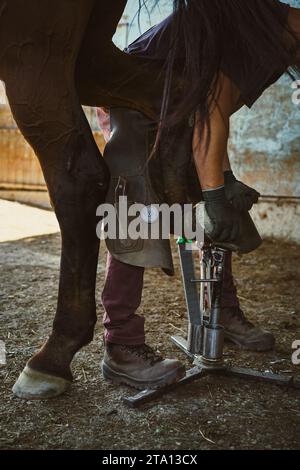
(122, 294)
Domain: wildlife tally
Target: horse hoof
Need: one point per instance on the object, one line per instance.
(34, 385)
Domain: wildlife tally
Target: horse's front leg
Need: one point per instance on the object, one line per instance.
(38, 73)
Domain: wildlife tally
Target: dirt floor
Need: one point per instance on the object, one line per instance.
(213, 413)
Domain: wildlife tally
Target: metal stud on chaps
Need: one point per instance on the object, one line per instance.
(38, 54)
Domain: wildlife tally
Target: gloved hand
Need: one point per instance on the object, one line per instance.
(241, 196)
(224, 219)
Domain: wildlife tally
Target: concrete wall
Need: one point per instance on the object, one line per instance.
(265, 152)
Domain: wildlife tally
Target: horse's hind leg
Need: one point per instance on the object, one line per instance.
(38, 72)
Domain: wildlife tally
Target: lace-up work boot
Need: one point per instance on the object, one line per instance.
(140, 367)
(243, 333)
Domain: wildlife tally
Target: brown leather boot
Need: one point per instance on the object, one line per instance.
(243, 333)
(140, 367)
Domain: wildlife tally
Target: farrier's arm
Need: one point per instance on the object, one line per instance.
(225, 197)
(209, 149)
(241, 196)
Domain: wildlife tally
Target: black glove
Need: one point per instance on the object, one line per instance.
(223, 217)
(241, 196)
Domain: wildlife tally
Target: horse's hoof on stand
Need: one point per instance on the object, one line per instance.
(34, 385)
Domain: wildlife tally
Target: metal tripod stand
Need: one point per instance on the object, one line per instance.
(205, 341)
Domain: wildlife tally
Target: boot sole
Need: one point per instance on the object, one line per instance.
(123, 379)
(254, 346)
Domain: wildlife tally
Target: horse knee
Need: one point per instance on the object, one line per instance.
(75, 198)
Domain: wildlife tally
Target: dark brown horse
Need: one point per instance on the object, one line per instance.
(44, 46)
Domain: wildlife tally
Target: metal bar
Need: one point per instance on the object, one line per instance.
(195, 330)
(251, 374)
(218, 262)
(190, 289)
(149, 395)
(182, 344)
(205, 288)
(197, 373)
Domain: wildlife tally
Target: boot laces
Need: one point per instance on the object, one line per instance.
(146, 352)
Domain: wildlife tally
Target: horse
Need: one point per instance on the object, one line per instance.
(54, 57)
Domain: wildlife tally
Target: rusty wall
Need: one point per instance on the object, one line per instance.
(19, 167)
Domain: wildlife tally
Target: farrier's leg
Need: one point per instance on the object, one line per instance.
(127, 359)
(38, 72)
(229, 290)
(121, 297)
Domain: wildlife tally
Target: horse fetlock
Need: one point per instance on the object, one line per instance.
(55, 357)
(48, 373)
